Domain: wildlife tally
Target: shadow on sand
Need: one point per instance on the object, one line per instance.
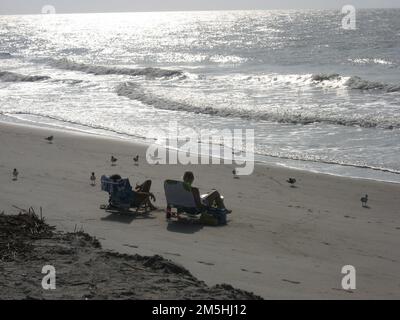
(126, 217)
(184, 227)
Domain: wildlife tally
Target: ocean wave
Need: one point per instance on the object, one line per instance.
(221, 59)
(134, 91)
(361, 84)
(7, 76)
(364, 61)
(356, 83)
(68, 81)
(5, 55)
(104, 70)
(325, 77)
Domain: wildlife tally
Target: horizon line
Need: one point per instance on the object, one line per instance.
(195, 10)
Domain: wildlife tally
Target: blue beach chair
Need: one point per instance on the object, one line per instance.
(121, 195)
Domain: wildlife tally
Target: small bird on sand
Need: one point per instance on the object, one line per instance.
(15, 174)
(113, 160)
(292, 181)
(93, 179)
(136, 160)
(50, 139)
(364, 201)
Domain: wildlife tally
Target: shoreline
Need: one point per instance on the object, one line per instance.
(365, 173)
(280, 242)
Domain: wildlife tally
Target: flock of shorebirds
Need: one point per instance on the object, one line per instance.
(291, 181)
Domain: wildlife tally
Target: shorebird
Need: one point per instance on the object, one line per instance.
(364, 201)
(93, 179)
(292, 181)
(136, 160)
(234, 172)
(49, 139)
(113, 160)
(15, 174)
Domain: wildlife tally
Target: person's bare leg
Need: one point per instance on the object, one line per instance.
(143, 197)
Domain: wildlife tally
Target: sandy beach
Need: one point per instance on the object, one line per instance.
(280, 242)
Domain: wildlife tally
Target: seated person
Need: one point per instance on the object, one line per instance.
(141, 193)
(212, 199)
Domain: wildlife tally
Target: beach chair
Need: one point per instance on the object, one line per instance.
(185, 204)
(121, 195)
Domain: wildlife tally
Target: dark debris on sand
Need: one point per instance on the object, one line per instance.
(85, 271)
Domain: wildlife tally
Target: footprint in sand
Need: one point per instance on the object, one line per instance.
(256, 272)
(130, 246)
(206, 263)
(337, 289)
(172, 254)
(291, 281)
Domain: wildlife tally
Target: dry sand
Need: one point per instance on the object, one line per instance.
(280, 242)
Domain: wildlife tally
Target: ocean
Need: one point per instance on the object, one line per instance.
(319, 97)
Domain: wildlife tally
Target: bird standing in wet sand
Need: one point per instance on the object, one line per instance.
(364, 201)
(113, 160)
(292, 181)
(50, 139)
(136, 160)
(234, 172)
(15, 174)
(93, 179)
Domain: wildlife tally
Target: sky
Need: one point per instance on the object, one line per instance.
(82, 6)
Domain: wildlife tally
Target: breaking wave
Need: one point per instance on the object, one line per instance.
(365, 61)
(134, 91)
(66, 64)
(5, 55)
(7, 76)
(325, 77)
(361, 84)
(357, 83)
